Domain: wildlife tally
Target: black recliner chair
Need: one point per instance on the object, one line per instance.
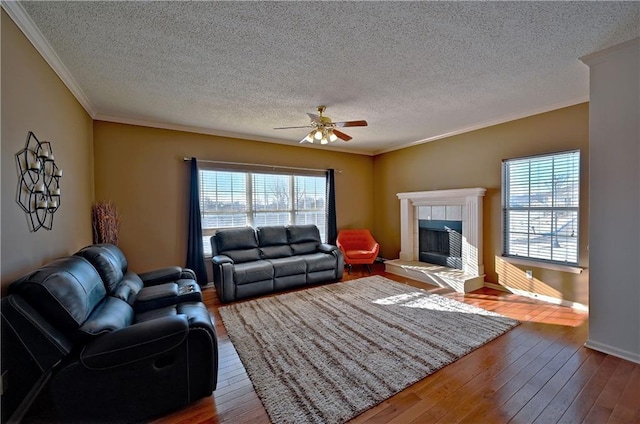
(145, 291)
(103, 359)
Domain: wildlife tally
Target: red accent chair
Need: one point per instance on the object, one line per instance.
(358, 248)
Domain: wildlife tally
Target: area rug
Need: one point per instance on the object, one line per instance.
(327, 354)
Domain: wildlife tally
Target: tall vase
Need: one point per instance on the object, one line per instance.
(106, 222)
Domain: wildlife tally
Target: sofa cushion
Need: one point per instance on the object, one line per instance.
(304, 248)
(64, 291)
(235, 239)
(112, 314)
(251, 272)
(241, 256)
(273, 252)
(303, 233)
(128, 288)
(272, 236)
(155, 313)
(108, 260)
(303, 239)
(319, 262)
(288, 266)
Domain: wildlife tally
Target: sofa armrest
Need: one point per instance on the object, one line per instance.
(223, 277)
(326, 248)
(166, 275)
(221, 259)
(136, 342)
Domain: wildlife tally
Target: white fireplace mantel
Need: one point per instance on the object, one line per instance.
(471, 276)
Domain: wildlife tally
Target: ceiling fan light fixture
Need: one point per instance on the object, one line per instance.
(324, 129)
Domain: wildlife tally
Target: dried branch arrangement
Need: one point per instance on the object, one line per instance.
(106, 222)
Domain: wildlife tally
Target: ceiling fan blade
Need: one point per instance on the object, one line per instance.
(342, 135)
(314, 117)
(288, 128)
(361, 123)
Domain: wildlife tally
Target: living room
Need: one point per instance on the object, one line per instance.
(141, 169)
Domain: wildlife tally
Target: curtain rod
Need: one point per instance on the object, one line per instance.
(257, 164)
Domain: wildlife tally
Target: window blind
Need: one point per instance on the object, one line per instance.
(232, 198)
(541, 200)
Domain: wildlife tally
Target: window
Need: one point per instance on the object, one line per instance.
(230, 198)
(540, 205)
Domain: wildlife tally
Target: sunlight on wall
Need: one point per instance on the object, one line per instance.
(515, 278)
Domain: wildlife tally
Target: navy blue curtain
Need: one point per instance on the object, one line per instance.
(195, 251)
(332, 226)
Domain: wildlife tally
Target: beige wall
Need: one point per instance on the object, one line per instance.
(474, 160)
(35, 99)
(142, 170)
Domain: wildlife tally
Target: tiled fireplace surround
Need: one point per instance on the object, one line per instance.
(460, 204)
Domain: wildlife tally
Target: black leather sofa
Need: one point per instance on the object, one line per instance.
(99, 355)
(248, 262)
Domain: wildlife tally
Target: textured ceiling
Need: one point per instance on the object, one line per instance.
(414, 70)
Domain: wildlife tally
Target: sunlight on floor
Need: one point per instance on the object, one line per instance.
(525, 309)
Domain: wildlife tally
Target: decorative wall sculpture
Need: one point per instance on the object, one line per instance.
(38, 192)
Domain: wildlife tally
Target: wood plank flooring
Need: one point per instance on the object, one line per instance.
(538, 372)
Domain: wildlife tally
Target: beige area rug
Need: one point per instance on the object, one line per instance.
(327, 354)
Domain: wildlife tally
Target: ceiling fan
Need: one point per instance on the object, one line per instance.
(324, 129)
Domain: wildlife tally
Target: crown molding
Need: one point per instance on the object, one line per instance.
(602, 55)
(490, 123)
(227, 134)
(20, 17)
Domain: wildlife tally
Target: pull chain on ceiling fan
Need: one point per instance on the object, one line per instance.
(324, 129)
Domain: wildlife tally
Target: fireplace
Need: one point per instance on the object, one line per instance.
(440, 242)
(451, 253)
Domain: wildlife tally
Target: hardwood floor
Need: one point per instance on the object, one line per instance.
(538, 372)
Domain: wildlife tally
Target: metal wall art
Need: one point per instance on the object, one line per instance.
(38, 192)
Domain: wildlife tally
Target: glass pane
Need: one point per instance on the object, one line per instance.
(222, 192)
(271, 192)
(206, 244)
(565, 237)
(518, 230)
(224, 220)
(309, 193)
(540, 234)
(262, 219)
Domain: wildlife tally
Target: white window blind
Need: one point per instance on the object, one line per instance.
(541, 200)
(237, 199)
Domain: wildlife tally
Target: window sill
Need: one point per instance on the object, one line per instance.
(545, 265)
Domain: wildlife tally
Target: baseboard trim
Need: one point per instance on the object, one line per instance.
(573, 305)
(613, 351)
(496, 287)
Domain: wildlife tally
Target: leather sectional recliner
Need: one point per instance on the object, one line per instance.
(101, 355)
(248, 262)
(145, 291)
